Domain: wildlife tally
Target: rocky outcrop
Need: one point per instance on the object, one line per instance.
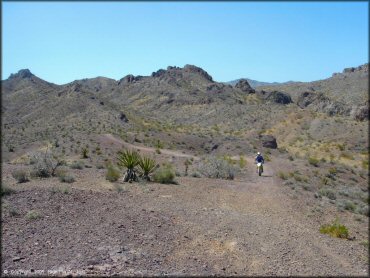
(268, 141)
(364, 68)
(244, 86)
(320, 103)
(199, 71)
(215, 88)
(275, 96)
(128, 79)
(24, 73)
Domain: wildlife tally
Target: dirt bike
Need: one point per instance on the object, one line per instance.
(259, 168)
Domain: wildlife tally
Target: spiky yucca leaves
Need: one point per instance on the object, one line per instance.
(147, 167)
(128, 159)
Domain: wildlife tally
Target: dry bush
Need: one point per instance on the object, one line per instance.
(45, 164)
(21, 175)
(218, 168)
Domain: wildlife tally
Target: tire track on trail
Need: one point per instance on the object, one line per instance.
(285, 241)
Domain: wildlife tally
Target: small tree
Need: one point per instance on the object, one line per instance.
(129, 160)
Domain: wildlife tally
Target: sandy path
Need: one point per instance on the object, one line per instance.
(148, 149)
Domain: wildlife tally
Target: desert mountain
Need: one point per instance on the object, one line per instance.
(182, 106)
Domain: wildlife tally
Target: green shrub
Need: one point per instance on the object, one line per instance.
(112, 174)
(313, 161)
(165, 174)
(187, 163)
(282, 175)
(327, 192)
(6, 190)
(32, 214)
(242, 162)
(335, 230)
(349, 205)
(68, 178)
(196, 175)
(77, 165)
(21, 175)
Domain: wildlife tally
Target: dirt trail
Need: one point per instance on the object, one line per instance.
(148, 149)
(201, 226)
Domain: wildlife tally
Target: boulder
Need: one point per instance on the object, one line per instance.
(268, 141)
(123, 117)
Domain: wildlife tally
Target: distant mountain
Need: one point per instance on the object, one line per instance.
(255, 83)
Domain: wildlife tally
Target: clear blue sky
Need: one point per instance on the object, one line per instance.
(64, 41)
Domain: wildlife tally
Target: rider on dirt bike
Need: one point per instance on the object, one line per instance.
(259, 159)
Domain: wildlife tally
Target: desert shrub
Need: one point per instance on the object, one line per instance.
(282, 175)
(313, 161)
(68, 178)
(165, 174)
(335, 230)
(242, 162)
(158, 144)
(118, 188)
(100, 166)
(341, 147)
(365, 164)
(61, 171)
(112, 174)
(77, 165)
(6, 190)
(21, 175)
(363, 209)
(147, 167)
(187, 163)
(217, 168)
(348, 205)
(327, 192)
(196, 175)
(32, 214)
(347, 155)
(84, 152)
(44, 164)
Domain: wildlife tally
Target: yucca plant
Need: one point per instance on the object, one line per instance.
(129, 160)
(147, 167)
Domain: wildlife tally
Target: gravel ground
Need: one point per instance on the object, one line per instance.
(252, 226)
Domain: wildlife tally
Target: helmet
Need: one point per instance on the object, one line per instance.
(258, 153)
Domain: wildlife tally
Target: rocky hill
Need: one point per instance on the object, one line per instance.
(183, 102)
